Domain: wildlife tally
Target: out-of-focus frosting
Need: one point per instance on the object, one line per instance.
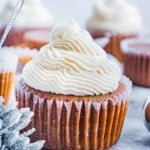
(33, 14)
(115, 16)
(72, 64)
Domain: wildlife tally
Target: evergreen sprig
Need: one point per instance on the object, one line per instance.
(12, 120)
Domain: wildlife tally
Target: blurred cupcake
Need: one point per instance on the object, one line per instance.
(24, 55)
(77, 94)
(35, 38)
(136, 60)
(37, 18)
(116, 19)
(8, 64)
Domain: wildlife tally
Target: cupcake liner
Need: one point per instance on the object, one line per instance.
(24, 55)
(73, 122)
(36, 38)
(136, 61)
(8, 64)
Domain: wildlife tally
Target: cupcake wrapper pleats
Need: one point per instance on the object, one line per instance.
(66, 124)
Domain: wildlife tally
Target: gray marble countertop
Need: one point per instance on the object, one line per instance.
(135, 136)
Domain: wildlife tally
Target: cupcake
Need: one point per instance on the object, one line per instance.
(116, 19)
(78, 95)
(8, 64)
(37, 18)
(24, 55)
(35, 38)
(136, 60)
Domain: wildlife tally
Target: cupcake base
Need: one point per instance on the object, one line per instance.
(73, 122)
(137, 68)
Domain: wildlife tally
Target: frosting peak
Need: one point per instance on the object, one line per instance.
(72, 64)
(70, 30)
(72, 38)
(115, 16)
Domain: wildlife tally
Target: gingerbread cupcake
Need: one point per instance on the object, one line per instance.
(116, 19)
(77, 94)
(37, 18)
(136, 60)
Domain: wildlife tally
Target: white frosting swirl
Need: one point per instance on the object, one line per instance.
(115, 16)
(33, 14)
(72, 64)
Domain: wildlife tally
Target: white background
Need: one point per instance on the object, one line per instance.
(80, 10)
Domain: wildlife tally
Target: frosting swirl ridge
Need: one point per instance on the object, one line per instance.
(72, 65)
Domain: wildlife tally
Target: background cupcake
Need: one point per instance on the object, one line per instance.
(24, 55)
(136, 60)
(116, 19)
(33, 16)
(77, 94)
(8, 65)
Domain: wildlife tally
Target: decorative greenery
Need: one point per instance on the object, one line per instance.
(12, 120)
